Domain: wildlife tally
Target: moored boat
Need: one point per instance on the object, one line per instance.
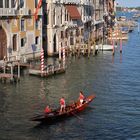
(70, 110)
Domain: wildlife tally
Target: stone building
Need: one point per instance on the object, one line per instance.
(63, 23)
(20, 33)
(72, 22)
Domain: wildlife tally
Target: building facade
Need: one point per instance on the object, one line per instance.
(71, 23)
(63, 23)
(20, 33)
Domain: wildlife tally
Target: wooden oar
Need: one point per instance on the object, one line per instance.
(92, 107)
(76, 116)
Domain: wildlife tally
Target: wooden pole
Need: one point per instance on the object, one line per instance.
(78, 51)
(60, 51)
(64, 57)
(4, 71)
(18, 70)
(120, 42)
(12, 71)
(4, 59)
(113, 51)
(89, 46)
(102, 43)
(94, 46)
(112, 41)
(138, 28)
(42, 62)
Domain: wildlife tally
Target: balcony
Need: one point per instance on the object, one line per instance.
(66, 1)
(14, 12)
(24, 11)
(72, 24)
(98, 21)
(87, 19)
(7, 12)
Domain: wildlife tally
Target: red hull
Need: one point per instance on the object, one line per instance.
(56, 116)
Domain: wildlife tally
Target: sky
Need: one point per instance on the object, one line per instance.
(128, 3)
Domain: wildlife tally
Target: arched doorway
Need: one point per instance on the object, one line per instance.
(54, 43)
(3, 43)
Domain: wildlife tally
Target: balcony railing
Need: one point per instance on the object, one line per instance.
(7, 12)
(14, 12)
(24, 11)
(66, 1)
(98, 21)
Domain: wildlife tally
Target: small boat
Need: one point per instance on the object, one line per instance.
(107, 47)
(124, 30)
(70, 110)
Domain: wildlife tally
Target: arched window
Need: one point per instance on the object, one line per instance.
(71, 38)
(21, 3)
(1, 4)
(6, 3)
(61, 16)
(54, 16)
(65, 15)
(14, 42)
(37, 39)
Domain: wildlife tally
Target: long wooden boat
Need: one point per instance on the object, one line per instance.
(71, 110)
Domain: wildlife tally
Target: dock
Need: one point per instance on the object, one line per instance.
(48, 71)
(4, 77)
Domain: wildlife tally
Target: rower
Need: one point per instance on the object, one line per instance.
(81, 98)
(47, 109)
(62, 105)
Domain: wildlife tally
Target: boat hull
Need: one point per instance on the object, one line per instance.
(55, 116)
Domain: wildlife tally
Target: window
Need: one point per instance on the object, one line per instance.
(22, 25)
(54, 17)
(36, 3)
(61, 16)
(66, 34)
(71, 38)
(62, 34)
(45, 18)
(37, 24)
(12, 3)
(71, 41)
(82, 31)
(77, 32)
(23, 41)
(6, 3)
(1, 4)
(37, 40)
(14, 42)
(65, 15)
(21, 3)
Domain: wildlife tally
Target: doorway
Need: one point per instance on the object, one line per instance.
(3, 43)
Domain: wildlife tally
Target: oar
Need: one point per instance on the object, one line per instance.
(76, 116)
(92, 107)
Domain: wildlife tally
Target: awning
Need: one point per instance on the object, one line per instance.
(73, 12)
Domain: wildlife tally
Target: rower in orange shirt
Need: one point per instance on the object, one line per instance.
(62, 105)
(81, 98)
(47, 109)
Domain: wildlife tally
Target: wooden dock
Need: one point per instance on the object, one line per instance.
(4, 77)
(49, 71)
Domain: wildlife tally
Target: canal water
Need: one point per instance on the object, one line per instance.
(113, 115)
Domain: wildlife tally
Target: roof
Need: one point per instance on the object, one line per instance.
(73, 12)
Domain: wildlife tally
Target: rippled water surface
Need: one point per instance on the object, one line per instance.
(114, 114)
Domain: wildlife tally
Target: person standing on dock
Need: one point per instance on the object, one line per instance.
(62, 105)
(81, 98)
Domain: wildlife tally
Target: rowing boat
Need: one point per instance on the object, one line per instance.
(70, 110)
